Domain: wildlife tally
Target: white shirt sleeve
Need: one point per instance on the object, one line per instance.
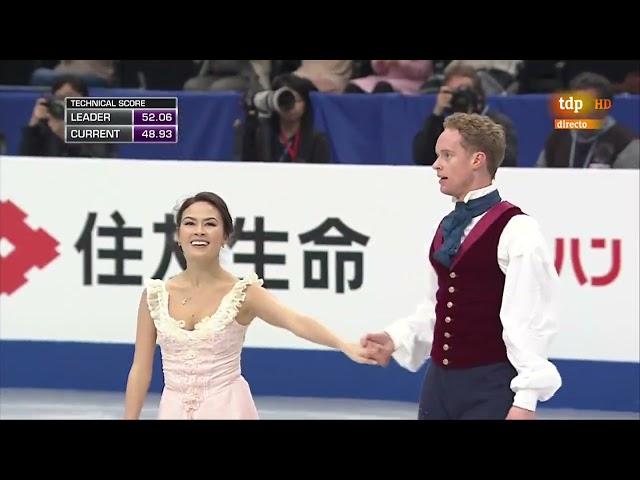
(528, 312)
(413, 335)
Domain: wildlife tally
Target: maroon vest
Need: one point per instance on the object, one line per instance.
(468, 330)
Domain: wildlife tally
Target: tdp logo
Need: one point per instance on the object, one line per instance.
(578, 110)
(581, 104)
(571, 103)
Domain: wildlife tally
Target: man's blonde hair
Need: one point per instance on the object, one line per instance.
(480, 134)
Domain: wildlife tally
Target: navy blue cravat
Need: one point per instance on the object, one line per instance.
(453, 225)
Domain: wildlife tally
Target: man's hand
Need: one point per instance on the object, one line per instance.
(40, 112)
(443, 100)
(517, 413)
(379, 347)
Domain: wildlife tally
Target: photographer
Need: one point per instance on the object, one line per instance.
(44, 135)
(279, 125)
(461, 92)
(611, 146)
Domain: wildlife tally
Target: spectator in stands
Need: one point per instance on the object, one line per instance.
(498, 77)
(230, 75)
(403, 76)
(95, 73)
(612, 146)
(329, 76)
(44, 135)
(287, 135)
(461, 92)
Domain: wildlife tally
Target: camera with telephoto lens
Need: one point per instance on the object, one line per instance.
(55, 106)
(464, 100)
(268, 101)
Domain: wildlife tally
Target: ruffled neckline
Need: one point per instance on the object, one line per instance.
(158, 301)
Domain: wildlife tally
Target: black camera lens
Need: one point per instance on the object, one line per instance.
(56, 108)
(464, 100)
(285, 100)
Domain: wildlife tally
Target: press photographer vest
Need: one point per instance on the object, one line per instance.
(604, 149)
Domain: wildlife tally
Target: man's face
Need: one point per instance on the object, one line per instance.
(453, 165)
(594, 93)
(596, 114)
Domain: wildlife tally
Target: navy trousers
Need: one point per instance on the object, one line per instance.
(477, 393)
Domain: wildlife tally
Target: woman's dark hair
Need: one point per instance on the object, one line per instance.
(213, 200)
(304, 87)
(77, 83)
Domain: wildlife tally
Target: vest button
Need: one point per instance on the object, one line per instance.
(449, 304)
(451, 289)
(447, 334)
(447, 319)
(445, 347)
(445, 361)
(452, 274)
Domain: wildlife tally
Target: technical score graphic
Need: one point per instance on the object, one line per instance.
(121, 120)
